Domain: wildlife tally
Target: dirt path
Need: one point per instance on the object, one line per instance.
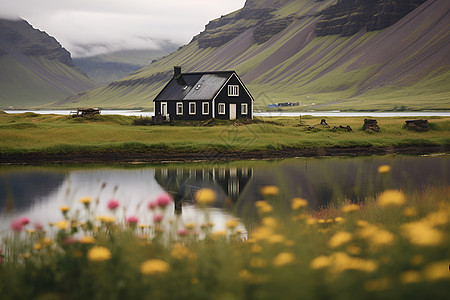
(210, 156)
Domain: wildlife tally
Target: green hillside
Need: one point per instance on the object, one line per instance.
(314, 52)
(35, 69)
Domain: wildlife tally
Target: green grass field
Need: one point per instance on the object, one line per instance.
(30, 132)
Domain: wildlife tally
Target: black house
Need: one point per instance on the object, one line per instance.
(204, 95)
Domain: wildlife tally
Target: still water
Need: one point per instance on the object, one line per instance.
(38, 191)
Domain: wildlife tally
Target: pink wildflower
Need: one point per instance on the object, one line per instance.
(157, 218)
(132, 220)
(70, 240)
(164, 199)
(152, 205)
(113, 204)
(18, 224)
(38, 226)
(182, 232)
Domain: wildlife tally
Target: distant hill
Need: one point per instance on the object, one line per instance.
(106, 68)
(326, 54)
(34, 68)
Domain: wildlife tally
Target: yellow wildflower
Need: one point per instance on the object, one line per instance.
(218, 234)
(62, 225)
(154, 266)
(87, 239)
(37, 246)
(86, 200)
(64, 209)
(179, 252)
(311, 221)
(256, 248)
(106, 219)
(375, 235)
(421, 233)
(276, 239)
(340, 238)
(46, 242)
(231, 224)
(283, 258)
(205, 196)
(26, 255)
(410, 212)
(391, 198)
(437, 271)
(340, 261)
(350, 208)
(98, 253)
(298, 203)
(269, 221)
(339, 220)
(270, 190)
(263, 206)
(362, 223)
(384, 169)
(245, 275)
(410, 276)
(190, 225)
(320, 262)
(262, 233)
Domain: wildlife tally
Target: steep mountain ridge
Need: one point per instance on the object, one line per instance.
(36, 69)
(289, 51)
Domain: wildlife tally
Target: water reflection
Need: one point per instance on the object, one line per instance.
(38, 192)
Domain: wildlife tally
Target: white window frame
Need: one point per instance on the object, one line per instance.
(233, 90)
(244, 109)
(219, 110)
(178, 105)
(161, 109)
(205, 105)
(192, 104)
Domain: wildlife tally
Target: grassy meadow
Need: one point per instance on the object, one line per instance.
(394, 246)
(29, 132)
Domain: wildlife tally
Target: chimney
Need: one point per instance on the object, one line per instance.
(176, 71)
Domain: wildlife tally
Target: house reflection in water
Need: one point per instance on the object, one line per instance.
(228, 183)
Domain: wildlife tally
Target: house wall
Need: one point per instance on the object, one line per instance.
(171, 110)
(223, 97)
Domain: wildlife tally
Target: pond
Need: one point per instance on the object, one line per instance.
(38, 191)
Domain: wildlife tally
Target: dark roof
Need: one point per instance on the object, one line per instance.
(194, 86)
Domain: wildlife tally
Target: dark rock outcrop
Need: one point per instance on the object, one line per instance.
(267, 29)
(417, 125)
(347, 17)
(371, 125)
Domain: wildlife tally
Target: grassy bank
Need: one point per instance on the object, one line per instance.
(392, 247)
(52, 134)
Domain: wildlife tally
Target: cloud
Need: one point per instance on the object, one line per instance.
(86, 27)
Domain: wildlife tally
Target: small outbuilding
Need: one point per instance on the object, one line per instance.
(203, 96)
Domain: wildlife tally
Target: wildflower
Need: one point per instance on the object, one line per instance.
(70, 240)
(98, 253)
(437, 271)
(132, 220)
(298, 203)
(350, 208)
(410, 276)
(384, 169)
(46, 242)
(154, 266)
(256, 248)
(179, 252)
(340, 261)
(86, 201)
(231, 224)
(106, 219)
(245, 275)
(320, 262)
(62, 225)
(311, 221)
(263, 207)
(38, 226)
(219, 233)
(182, 232)
(421, 233)
(205, 196)
(375, 235)
(276, 239)
(64, 209)
(26, 255)
(190, 226)
(270, 190)
(87, 239)
(391, 198)
(19, 223)
(410, 212)
(339, 220)
(157, 218)
(340, 238)
(269, 221)
(262, 233)
(164, 200)
(37, 246)
(152, 205)
(113, 204)
(283, 258)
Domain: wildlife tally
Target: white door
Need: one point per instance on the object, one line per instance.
(232, 111)
(163, 109)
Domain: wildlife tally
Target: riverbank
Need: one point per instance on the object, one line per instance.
(34, 139)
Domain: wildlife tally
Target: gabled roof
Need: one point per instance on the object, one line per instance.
(194, 86)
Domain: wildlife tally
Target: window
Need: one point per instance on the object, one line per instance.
(244, 109)
(179, 108)
(198, 86)
(233, 90)
(164, 109)
(205, 108)
(221, 109)
(192, 108)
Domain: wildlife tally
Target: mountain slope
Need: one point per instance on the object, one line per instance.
(325, 54)
(35, 69)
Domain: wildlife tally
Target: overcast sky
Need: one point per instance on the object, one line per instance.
(94, 26)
